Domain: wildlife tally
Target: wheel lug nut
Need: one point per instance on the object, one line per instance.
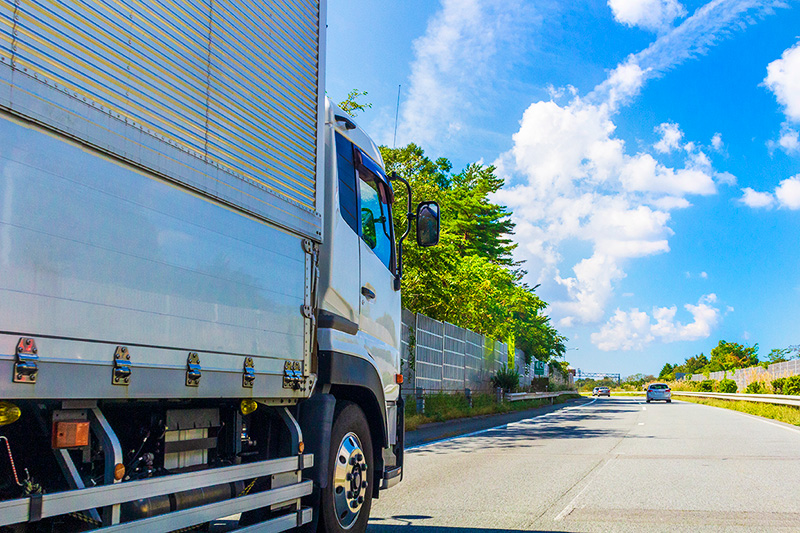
(350, 494)
(360, 499)
(353, 504)
(349, 476)
(359, 457)
(364, 484)
(353, 460)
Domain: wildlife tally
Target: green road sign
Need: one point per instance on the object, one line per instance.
(538, 368)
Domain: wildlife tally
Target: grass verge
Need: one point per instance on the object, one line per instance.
(781, 413)
(441, 407)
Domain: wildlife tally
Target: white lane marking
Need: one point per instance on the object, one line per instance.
(641, 423)
(571, 505)
(581, 406)
(644, 408)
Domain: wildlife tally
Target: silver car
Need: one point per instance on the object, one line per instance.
(659, 391)
(601, 391)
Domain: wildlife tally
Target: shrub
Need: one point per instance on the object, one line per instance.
(778, 385)
(792, 385)
(728, 385)
(507, 379)
(707, 385)
(756, 387)
(539, 384)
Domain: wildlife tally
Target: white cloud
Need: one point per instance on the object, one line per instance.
(456, 61)
(652, 15)
(783, 79)
(704, 275)
(786, 195)
(570, 178)
(671, 136)
(790, 140)
(716, 141)
(634, 329)
(788, 192)
(668, 203)
(756, 199)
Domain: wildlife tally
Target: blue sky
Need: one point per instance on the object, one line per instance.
(650, 151)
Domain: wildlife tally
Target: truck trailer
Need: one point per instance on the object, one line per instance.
(199, 274)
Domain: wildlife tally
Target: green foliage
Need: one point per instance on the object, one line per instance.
(637, 381)
(781, 355)
(755, 387)
(507, 379)
(732, 355)
(351, 105)
(469, 279)
(441, 406)
(539, 384)
(784, 413)
(724, 356)
(728, 385)
(790, 385)
(707, 385)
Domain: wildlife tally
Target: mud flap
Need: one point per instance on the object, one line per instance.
(316, 423)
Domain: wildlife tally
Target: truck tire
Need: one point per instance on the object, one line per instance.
(346, 501)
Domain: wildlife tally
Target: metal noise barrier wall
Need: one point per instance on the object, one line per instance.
(744, 376)
(438, 356)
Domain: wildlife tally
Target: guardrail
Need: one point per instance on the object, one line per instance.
(780, 399)
(517, 396)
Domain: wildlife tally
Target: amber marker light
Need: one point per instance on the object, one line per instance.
(9, 413)
(398, 378)
(248, 406)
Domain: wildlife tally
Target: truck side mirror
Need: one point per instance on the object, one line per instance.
(427, 224)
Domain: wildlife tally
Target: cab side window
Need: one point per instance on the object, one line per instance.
(348, 194)
(376, 218)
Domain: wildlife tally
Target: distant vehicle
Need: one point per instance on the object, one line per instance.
(659, 391)
(601, 391)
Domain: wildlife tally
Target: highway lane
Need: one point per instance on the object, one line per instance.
(616, 464)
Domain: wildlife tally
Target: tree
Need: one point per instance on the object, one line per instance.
(470, 279)
(781, 355)
(666, 372)
(732, 355)
(351, 105)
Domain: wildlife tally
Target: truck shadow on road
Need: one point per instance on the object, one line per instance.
(527, 434)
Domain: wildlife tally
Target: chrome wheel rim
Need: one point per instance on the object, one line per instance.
(349, 480)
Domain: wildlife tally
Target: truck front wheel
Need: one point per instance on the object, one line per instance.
(347, 499)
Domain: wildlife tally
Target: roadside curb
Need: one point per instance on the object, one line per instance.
(462, 426)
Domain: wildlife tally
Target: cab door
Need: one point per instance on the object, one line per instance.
(379, 318)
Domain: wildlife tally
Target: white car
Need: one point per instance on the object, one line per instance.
(601, 391)
(659, 391)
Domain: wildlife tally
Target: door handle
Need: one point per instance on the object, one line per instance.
(368, 294)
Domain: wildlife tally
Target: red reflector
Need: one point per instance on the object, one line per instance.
(70, 434)
(669, 390)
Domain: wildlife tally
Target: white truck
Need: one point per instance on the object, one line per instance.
(199, 277)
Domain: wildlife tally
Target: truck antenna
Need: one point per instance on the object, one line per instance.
(396, 113)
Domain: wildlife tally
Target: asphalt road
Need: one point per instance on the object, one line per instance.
(615, 464)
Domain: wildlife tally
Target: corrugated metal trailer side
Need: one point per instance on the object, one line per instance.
(223, 97)
(158, 193)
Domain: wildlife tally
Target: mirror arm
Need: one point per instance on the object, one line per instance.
(410, 216)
